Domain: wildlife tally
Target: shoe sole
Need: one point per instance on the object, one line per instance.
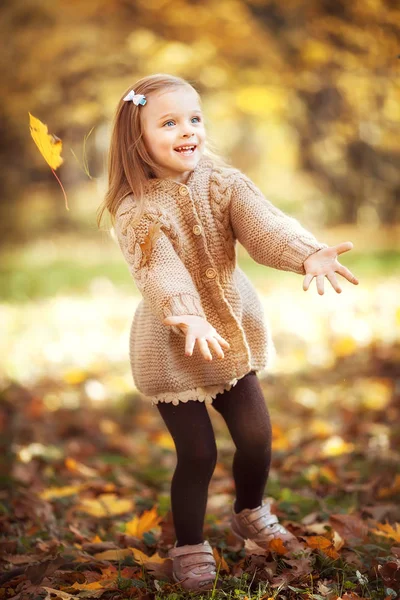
(200, 586)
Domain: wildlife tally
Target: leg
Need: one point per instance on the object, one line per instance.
(191, 429)
(245, 412)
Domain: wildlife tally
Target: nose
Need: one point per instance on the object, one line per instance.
(188, 134)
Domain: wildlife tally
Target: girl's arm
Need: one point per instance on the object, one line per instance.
(157, 270)
(271, 237)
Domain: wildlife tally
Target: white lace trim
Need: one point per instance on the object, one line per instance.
(203, 394)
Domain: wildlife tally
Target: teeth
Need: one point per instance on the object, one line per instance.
(183, 148)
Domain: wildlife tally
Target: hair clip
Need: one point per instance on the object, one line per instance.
(136, 98)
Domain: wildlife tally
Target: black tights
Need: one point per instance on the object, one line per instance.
(245, 412)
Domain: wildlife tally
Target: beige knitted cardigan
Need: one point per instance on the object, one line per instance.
(182, 257)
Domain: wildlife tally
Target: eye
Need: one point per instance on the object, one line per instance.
(167, 123)
(198, 119)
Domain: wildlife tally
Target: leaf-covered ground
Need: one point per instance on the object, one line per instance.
(87, 465)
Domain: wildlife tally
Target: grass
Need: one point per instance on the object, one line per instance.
(23, 277)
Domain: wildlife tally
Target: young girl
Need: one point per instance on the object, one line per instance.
(199, 335)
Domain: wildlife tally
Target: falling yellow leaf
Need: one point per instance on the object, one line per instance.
(50, 147)
(139, 525)
(105, 505)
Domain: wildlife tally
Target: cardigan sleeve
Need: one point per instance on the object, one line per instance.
(271, 237)
(159, 273)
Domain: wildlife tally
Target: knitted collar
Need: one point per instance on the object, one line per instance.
(169, 184)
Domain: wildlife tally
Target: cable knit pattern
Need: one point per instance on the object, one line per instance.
(182, 256)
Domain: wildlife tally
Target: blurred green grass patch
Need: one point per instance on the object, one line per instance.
(71, 267)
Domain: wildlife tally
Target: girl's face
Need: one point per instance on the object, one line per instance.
(171, 121)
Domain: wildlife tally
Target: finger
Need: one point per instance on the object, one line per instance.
(320, 284)
(215, 345)
(204, 348)
(222, 341)
(344, 271)
(189, 344)
(343, 247)
(307, 280)
(333, 279)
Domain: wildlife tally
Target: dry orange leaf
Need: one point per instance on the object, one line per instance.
(50, 147)
(105, 505)
(117, 554)
(318, 542)
(142, 558)
(392, 490)
(388, 531)
(147, 246)
(61, 492)
(77, 467)
(58, 593)
(139, 525)
(219, 559)
(276, 545)
(95, 585)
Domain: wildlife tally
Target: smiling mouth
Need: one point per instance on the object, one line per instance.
(186, 150)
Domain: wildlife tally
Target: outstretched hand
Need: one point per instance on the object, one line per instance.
(323, 264)
(197, 329)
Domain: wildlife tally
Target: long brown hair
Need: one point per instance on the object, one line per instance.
(130, 165)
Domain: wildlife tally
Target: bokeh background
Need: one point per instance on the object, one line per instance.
(304, 97)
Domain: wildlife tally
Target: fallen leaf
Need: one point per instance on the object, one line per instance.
(318, 542)
(105, 505)
(388, 531)
(276, 545)
(350, 527)
(147, 521)
(116, 554)
(390, 573)
(219, 559)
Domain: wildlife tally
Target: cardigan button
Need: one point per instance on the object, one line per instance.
(211, 273)
(197, 230)
(183, 190)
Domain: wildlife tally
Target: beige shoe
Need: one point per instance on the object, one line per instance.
(194, 566)
(259, 524)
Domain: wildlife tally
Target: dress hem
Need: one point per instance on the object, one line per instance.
(202, 394)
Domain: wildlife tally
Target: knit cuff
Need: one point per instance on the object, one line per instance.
(296, 252)
(183, 304)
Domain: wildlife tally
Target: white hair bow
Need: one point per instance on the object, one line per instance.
(136, 98)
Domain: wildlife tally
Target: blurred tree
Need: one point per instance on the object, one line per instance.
(313, 86)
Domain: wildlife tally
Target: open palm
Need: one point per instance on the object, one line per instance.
(323, 264)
